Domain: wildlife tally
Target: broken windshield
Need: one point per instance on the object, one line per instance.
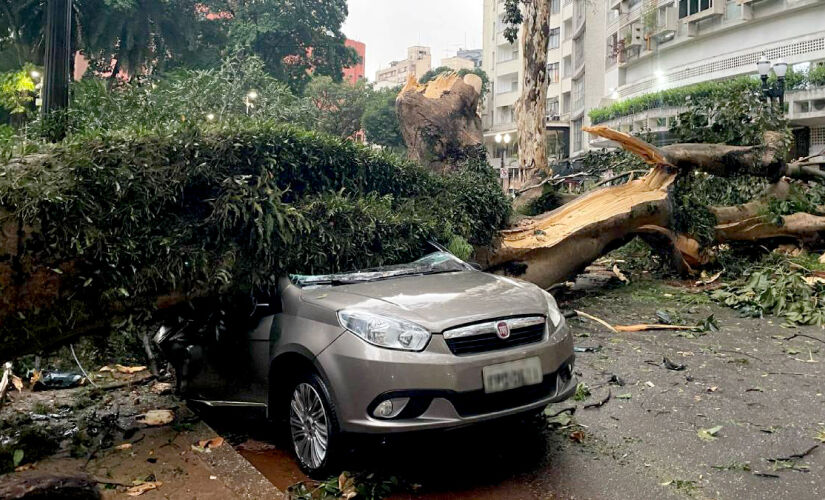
(434, 263)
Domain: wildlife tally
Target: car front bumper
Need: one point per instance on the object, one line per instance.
(444, 390)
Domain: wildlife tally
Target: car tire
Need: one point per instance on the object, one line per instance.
(312, 426)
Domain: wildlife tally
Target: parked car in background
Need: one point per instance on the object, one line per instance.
(432, 344)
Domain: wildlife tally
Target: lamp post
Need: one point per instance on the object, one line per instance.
(777, 90)
(506, 140)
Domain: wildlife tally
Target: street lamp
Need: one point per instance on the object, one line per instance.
(777, 90)
(249, 100)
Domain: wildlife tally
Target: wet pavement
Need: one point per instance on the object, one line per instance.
(647, 441)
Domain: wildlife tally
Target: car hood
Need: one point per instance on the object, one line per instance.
(437, 301)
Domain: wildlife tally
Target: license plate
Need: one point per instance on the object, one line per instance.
(511, 375)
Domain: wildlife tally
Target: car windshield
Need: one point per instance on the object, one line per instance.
(434, 263)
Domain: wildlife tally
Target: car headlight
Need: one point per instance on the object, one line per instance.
(384, 331)
(555, 320)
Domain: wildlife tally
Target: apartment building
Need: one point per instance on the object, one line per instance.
(458, 63)
(653, 45)
(418, 62)
(575, 69)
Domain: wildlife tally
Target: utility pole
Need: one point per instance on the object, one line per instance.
(57, 62)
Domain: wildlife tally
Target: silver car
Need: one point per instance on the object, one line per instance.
(433, 344)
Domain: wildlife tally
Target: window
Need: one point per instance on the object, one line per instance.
(553, 43)
(577, 135)
(553, 72)
(555, 6)
(567, 67)
(690, 7)
(568, 29)
(553, 107)
(504, 115)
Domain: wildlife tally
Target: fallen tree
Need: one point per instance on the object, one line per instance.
(552, 247)
(104, 228)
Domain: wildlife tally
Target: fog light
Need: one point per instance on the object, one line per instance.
(384, 409)
(390, 408)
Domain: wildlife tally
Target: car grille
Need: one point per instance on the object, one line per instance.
(487, 341)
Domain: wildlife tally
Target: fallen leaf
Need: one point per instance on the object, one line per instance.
(650, 384)
(210, 443)
(161, 388)
(577, 436)
(24, 467)
(156, 417)
(142, 488)
(624, 396)
(124, 446)
(709, 434)
(106, 369)
(34, 378)
(129, 369)
(712, 388)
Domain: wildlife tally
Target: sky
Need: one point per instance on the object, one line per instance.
(388, 27)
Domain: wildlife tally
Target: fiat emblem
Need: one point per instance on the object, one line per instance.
(503, 330)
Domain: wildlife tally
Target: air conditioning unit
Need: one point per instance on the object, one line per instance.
(636, 37)
(668, 24)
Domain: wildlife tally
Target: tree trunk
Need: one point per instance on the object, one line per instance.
(555, 246)
(440, 118)
(532, 104)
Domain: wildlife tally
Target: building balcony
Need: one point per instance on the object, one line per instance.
(806, 107)
(717, 8)
(508, 66)
(506, 98)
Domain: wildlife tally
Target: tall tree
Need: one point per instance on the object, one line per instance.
(21, 33)
(533, 16)
(136, 36)
(380, 120)
(295, 39)
(340, 105)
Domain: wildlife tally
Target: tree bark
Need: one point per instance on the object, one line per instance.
(440, 118)
(532, 104)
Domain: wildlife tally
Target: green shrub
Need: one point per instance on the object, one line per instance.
(122, 219)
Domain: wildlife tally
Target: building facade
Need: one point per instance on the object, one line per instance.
(474, 55)
(575, 67)
(458, 63)
(357, 72)
(654, 45)
(418, 62)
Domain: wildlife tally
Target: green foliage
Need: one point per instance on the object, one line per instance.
(140, 35)
(123, 218)
(777, 287)
(548, 200)
(293, 38)
(17, 90)
(380, 120)
(734, 113)
(678, 97)
(22, 40)
(187, 98)
(340, 105)
(433, 73)
(512, 19)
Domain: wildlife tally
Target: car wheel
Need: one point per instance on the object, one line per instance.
(313, 426)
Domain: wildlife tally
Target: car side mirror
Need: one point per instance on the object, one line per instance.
(475, 265)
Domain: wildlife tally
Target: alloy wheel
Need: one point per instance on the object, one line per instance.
(309, 425)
